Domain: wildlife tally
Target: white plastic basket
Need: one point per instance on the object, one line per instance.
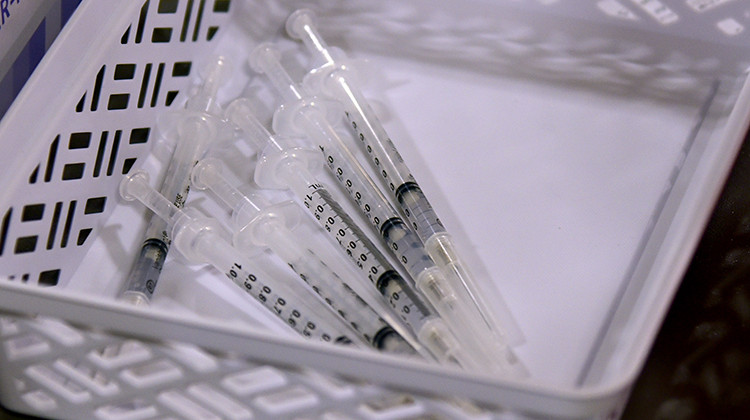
(574, 148)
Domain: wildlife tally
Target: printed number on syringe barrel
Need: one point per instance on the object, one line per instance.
(295, 318)
(389, 282)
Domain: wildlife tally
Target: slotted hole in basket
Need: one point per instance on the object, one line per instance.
(330, 385)
(28, 345)
(152, 373)
(254, 380)
(219, 401)
(117, 355)
(186, 407)
(40, 400)
(8, 326)
(161, 35)
(133, 409)
(49, 277)
(93, 378)
(221, 6)
(191, 356)
(32, 212)
(168, 6)
(55, 227)
(58, 384)
(287, 400)
(334, 415)
(392, 406)
(58, 331)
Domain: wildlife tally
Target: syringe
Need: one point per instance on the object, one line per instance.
(302, 114)
(281, 166)
(196, 126)
(258, 223)
(199, 239)
(336, 78)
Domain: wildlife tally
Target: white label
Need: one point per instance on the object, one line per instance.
(703, 5)
(616, 9)
(658, 10)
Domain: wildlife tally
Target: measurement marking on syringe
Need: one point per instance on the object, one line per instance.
(386, 279)
(264, 294)
(329, 213)
(414, 204)
(404, 245)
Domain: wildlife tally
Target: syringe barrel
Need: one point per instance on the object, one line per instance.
(204, 100)
(397, 292)
(337, 79)
(279, 299)
(265, 59)
(333, 290)
(194, 134)
(400, 240)
(196, 127)
(311, 118)
(386, 159)
(369, 131)
(298, 178)
(240, 113)
(267, 225)
(345, 166)
(419, 212)
(199, 240)
(145, 272)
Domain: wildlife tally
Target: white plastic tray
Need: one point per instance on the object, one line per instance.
(574, 149)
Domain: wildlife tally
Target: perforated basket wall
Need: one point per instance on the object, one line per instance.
(89, 114)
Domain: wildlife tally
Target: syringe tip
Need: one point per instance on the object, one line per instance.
(296, 22)
(263, 54)
(130, 185)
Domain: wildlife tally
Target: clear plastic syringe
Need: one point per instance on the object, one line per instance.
(337, 78)
(281, 166)
(303, 114)
(196, 126)
(259, 224)
(199, 239)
